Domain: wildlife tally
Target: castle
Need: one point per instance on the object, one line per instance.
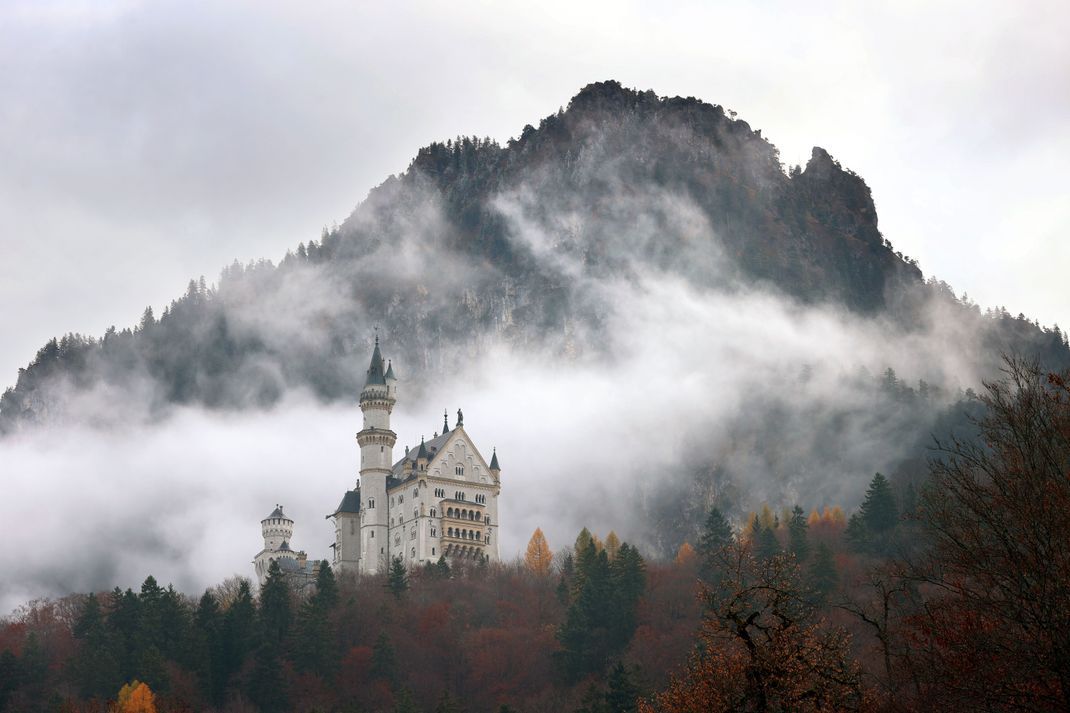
(439, 500)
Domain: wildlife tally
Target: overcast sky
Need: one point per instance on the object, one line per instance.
(142, 144)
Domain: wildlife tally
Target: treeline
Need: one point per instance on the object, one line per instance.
(952, 595)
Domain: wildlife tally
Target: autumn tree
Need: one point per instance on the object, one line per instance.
(798, 538)
(538, 557)
(997, 519)
(685, 555)
(716, 534)
(612, 545)
(762, 649)
(135, 697)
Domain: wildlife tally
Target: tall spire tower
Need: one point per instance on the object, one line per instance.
(376, 442)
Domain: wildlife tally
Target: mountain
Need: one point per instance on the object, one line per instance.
(551, 246)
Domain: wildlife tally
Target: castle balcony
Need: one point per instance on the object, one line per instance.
(462, 511)
(463, 535)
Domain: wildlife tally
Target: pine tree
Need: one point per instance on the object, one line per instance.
(397, 579)
(622, 693)
(538, 557)
(857, 534)
(275, 608)
(765, 542)
(879, 511)
(384, 661)
(94, 666)
(209, 655)
(798, 540)
(822, 573)
(239, 630)
(716, 534)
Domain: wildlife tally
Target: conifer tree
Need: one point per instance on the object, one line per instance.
(239, 627)
(822, 573)
(208, 653)
(397, 579)
(879, 511)
(622, 693)
(538, 556)
(612, 545)
(798, 539)
(94, 667)
(275, 608)
(716, 534)
(384, 661)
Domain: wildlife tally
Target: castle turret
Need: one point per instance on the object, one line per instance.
(277, 530)
(376, 458)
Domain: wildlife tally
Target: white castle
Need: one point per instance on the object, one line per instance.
(439, 500)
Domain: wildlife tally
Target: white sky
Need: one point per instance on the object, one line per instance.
(142, 144)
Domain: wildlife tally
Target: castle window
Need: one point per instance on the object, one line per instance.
(371, 503)
(414, 553)
(459, 470)
(440, 492)
(401, 499)
(415, 493)
(433, 533)
(432, 550)
(373, 534)
(434, 513)
(415, 512)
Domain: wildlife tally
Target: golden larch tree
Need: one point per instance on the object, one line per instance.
(685, 555)
(612, 545)
(135, 697)
(538, 557)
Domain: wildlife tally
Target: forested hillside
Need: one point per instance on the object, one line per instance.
(478, 243)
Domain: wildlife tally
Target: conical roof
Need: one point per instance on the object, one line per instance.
(277, 513)
(376, 375)
(494, 461)
(423, 451)
(390, 372)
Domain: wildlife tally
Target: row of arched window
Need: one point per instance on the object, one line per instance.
(464, 514)
(463, 534)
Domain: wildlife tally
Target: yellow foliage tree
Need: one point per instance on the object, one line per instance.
(538, 557)
(838, 517)
(598, 546)
(135, 697)
(612, 545)
(685, 555)
(814, 519)
(767, 518)
(582, 540)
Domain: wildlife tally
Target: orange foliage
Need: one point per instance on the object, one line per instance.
(685, 555)
(538, 556)
(135, 697)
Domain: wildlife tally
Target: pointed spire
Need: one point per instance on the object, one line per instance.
(375, 370)
(422, 453)
(494, 460)
(390, 371)
(445, 421)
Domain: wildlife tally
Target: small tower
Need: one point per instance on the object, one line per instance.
(278, 530)
(376, 442)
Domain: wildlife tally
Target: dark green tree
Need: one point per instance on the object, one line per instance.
(315, 644)
(208, 648)
(275, 607)
(822, 573)
(879, 511)
(397, 578)
(622, 692)
(384, 661)
(715, 535)
(765, 542)
(94, 666)
(239, 630)
(798, 535)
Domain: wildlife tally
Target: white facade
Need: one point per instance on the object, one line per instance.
(278, 531)
(439, 499)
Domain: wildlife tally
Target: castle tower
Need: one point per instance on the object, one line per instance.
(376, 442)
(278, 530)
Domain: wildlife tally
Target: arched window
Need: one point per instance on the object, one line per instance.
(479, 516)
(434, 513)
(414, 553)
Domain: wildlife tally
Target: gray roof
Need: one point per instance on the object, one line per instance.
(277, 512)
(350, 503)
(376, 377)
(390, 372)
(285, 547)
(402, 467)
(494, 461)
